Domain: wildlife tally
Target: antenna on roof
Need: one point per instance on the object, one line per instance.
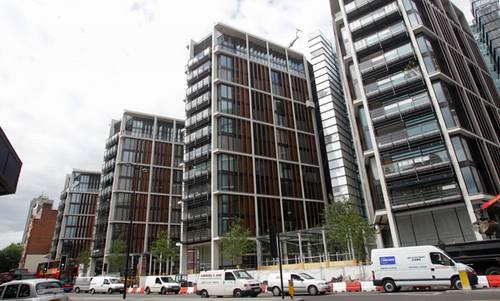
(296, 37)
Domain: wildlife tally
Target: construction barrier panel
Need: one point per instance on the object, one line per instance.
(135, 290)
(493, 280)
(353, 286)
(339, 287)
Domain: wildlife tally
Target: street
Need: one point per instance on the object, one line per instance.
(484, 294)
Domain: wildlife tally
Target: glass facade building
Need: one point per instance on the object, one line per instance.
(251, 146)
(76, 214)
(10, 166)
(142, 167)
(424, 113)
(486, 29)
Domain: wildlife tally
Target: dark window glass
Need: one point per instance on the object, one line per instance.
(11, 291)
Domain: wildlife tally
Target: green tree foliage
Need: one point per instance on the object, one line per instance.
(84, 259)
(347, 227)
(165, 248)
(236, 242)
(117, 255)
(10, 256)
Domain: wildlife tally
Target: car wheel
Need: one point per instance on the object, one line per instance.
(493, 271)
(276, 291)
(237, 293)
(147, 291)
(110, 290)
(77, 290)
(204, 294)
(163, 291)
(389, 286)
(456, 283)
(313, 291)
(92, 291)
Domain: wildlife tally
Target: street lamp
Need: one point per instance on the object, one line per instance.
(137, 169)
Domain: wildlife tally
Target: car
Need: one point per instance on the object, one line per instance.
(231, 283)
(33, 290)
(105, 284)
(394, 268)
(303, 283)
(159, 284)
(82, 284)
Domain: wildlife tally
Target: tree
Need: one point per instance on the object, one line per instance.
(346, 228)
(236, 242)
(164, 249)
(10, 256)
(84, 259)
(117, 255)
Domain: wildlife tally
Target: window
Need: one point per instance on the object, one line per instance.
(11, 291)
(226, 67)
(226, 99)
(229, 276)
(438, 258)
(106, 281)
(226, 126)
(296, 277)
(158, 281)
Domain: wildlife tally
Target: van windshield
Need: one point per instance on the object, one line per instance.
(306, 276)
(167, 279)
(114, 280)
(242, 275)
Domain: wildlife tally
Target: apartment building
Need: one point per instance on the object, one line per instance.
(141, 180)
(424, 112)
(251, 146)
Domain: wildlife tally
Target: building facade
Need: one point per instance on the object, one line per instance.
(424, 112)
(37, 236)
(76, 214)
(339, 157)
(141, 167)
(486, 29)
(251, 146)
(10, 166)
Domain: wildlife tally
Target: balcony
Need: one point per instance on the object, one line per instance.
(111, 152)
(408, 135)
(108, 166)
(107, 178)
(425, 196)
(198, 59)
(374, 17)
(197, 88)
(195, 174)
(237, 49)
(112, 140)
(358, 7)
(199, 235)
(392, 83)
(199, 72)
(197, 153)
(197, 213)
(401, 108)
(417, 164)
(386, 59)
(380, 38)
(198, 103)
(199, 136)
(198, 119)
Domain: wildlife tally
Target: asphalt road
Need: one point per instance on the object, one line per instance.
(475, 295)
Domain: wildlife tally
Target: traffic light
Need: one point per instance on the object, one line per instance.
(62, 264)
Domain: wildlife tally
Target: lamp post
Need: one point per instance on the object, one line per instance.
(136, 170)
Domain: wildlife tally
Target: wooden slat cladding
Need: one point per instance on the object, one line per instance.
(307, 147)
(240, 71)
(161, 180)
(287, 145)
(299, 89)
(269, 210)
(266, 175)
(283, 112)
(158, 210)
(234, 173)
(293, 214)
(163, 154)
(290, 180)
(234, 134)
(233, 207)
(315, 214)
(233, 100)
(312, 183)
(262, 107)
(280, 83)
(303, 118)
(259, 75)
(264, 140)
(232, 69)
(154, 233)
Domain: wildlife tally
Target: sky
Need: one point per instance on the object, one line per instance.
(68, 67)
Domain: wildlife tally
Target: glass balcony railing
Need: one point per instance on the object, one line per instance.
(258, 56)
(112, 140)
(427, 195)
(393, 82)
(197, 135)
(357, 4)
(197, 153)
(198, 117)
(198, 235)
(204, 83)
(417, 163)
(200, 57)
(399, 108)
(197, 213)
(198, 72)
(386, 58)
(408, 134)
(198, 102)
(380, 36)
(237, 49)
(195, 173)
(108, 165)
(374, 17)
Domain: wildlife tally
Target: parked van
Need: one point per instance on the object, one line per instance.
(394, 268)
(105, 284)
(303, 283)
(159, 284)
(234, 283)
(82, 284)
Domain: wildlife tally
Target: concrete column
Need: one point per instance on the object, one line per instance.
(325, 246)
(300, 248)
(379, 241)
(183, 259)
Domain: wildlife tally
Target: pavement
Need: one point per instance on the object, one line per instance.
(448, 295)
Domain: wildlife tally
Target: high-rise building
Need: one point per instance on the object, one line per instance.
(141, 167)
(10, 166)
(251, 146)
(486, 29)
(339, 157)
(37, 236)
(76, 214)
(424, 112)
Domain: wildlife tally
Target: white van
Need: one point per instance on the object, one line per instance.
(82, 284)
(234, 283)
(159, 284)
(393, 268)
(105, 284)
(302, 283)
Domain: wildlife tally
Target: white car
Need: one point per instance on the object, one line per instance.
(159, 284)
(303, 283)
(34, 290)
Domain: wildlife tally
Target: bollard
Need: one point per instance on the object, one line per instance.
(465, 280)
(291, 289)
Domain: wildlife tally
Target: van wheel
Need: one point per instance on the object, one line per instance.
(77, 290)
(110, 290)
(493, 271)
(313, 291)
(276, 291)
(147, 291)
(456, 283)
(163, 291)
(237, 293)
(389, 286)
(92, 291)
(204, 294)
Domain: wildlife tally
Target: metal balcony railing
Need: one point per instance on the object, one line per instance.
(112, 140)
(199, 86)
(420, 163)
(410, 134)
(380, 36)
(198, 72)
(373, 17)
(393, 82)
(386, 59)
(197, 135)
(198, 102)
(199, 58)
(434, 194)
(400, 108)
